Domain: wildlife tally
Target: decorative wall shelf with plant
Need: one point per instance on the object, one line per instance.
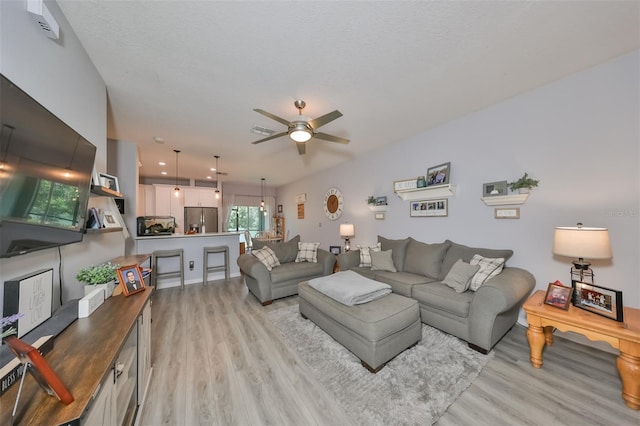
(428, 193)
(505, 200)
(377, 204)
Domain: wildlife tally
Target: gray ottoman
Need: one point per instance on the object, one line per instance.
(375, 331)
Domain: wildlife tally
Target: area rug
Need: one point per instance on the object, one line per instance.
(414, 388)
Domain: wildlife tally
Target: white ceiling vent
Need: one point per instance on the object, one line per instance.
(39, 12)
(262, 131)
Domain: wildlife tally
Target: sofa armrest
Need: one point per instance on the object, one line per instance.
(349, 260)
(252, 267)
(504, 291)
(327, 259)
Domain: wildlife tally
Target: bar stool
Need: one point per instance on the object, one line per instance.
(163, 254)
(205, 262)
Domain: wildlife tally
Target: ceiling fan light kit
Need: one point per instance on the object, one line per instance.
(303, 129)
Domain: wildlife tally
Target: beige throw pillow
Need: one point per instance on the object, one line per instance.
(307, 252)
(382, 261)
(489, 268)
(267, 257)
(365, 254)
(459, 277)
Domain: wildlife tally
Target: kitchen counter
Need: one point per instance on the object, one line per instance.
(193, 246)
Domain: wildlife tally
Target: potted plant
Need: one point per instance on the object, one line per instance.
(99, 276)
(371, 200)
(524, 184)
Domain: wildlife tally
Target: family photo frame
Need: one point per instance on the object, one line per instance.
(109, 181)
(493, 189)
(599, 300)
(131, 280)
(429, 208)
(438, 175)
(335, 250)
(558, 296)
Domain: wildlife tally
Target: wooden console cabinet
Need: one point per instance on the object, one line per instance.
(104, 360)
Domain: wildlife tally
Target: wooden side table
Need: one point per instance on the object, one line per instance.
(624, 336)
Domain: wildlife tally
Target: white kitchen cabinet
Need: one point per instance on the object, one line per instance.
(146, 205)
(199, 197)
(167, 204)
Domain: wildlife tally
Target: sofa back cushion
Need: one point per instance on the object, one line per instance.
(425, 259)
(398, 250)
(459, 251)
(285, 251)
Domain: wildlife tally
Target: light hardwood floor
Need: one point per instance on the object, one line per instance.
(218, 360)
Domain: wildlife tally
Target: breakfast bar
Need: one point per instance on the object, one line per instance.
(193, 246)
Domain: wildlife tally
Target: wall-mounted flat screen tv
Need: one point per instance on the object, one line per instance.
(45, 176)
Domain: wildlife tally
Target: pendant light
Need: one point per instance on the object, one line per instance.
(264, 190)
(217, 178)
(262, 194)
(177, 188)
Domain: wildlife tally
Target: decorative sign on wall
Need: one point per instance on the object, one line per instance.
(300, 211)
(31, 296)
(301, 198)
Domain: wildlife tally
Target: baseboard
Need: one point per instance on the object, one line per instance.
(169, 284)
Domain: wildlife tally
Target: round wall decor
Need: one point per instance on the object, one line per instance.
(333, 203)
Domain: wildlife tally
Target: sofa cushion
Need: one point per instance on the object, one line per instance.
(401, 282)
(365, 272)
(292, 270)
(382, 261)
(459, 251)
(267, 257)
(365, 256)
(307, 252)
(285, 251)
(399, 248)
(489, 268)
(425, 259)
(443, 298)
(459, 277)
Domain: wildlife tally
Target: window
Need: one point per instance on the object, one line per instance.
(245, 218)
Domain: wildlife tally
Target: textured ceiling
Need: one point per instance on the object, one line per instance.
(192, 72)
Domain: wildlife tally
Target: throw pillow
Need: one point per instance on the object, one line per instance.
(267, 257)
(459, 277)
(285, 251)
(425, 259)
(382, 261)
(365, 256)
(489, 268)
(307, 252)
(399, 248)
(458, 251)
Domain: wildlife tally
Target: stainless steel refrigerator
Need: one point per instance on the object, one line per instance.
(201, 219)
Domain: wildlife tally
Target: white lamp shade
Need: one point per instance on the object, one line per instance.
(581, 242)
(347, 230)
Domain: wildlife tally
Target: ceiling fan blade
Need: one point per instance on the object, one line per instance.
(322, 120)
(268, 138)
(274, 117)
(330, 138)
(302, 147)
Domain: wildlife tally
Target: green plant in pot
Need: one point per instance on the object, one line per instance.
(99, 276)
(524, 184)
(371, 200)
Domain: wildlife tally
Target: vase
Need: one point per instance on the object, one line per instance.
(523, 190)
(106, 287)
(422, 182)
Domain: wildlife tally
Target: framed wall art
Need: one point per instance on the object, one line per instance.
(493, 189)
(109, 181)
(599, 300)
(438, 175)
(428, 208)
(335, 250)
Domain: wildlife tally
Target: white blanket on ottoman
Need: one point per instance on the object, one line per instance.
(350, 288)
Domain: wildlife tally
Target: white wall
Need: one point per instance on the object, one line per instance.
(580, 136)
(60, 76)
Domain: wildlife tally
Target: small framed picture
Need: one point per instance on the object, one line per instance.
(599, 300)
(109, 181)
(507, 213)
(335, 250)
(279, 208)
(438, 175)
(95, 178)
(429, 208)
(130, 278)
(109, 220)
(558, 296)
(379, 216)
(493, 189)
(381, 201)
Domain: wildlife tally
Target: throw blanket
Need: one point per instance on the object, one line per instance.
(350, 288)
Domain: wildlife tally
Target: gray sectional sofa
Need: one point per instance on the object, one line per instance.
(282, 281)
(479, 317)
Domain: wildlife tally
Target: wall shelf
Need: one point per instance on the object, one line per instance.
(104, 191)
(428, 193)
(505, 200)
(382, 208)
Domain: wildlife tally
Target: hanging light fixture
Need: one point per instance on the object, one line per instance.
(177, 188)
(264, 191)
(262, 194)
(217, 177)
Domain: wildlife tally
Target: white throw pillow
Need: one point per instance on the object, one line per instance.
(459, 277)
(365, 254)
(267, 257)
(489, 268)
(307, 252)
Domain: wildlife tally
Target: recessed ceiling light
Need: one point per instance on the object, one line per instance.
(158, 139)
(208, 177)
(213, 169)
(162, 163)
(164, 173)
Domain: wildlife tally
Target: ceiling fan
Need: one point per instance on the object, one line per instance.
(303, 129)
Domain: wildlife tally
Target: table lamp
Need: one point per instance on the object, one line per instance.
(582, 242)
(347, 230)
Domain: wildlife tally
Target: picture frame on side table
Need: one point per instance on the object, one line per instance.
(429, 208)
(335, 250)
(558, 296)
(438, 175)
(599, 300)
(493, 189)
(130, 278)
(109, 181)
